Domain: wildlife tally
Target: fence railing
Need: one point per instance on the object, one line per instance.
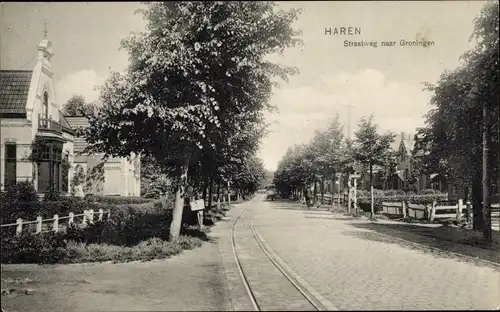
(54, 224)
(438, 210)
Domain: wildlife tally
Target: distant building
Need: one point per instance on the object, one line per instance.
(29, 110)
(119, 177)
(404, 144)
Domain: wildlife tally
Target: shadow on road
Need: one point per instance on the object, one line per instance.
(433, 237)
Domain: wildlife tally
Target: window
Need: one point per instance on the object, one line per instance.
(49, 170)
(10, 164)
(45, 105)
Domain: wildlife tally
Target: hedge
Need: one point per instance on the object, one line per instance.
(132, 232)
(120, 200)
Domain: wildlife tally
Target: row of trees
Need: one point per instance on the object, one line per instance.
(329, 154)
(462, 131)
(191, 102)
(460, 140)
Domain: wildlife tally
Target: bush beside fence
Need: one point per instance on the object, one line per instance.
(132, 232)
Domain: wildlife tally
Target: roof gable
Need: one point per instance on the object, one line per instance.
(14, 90)
(408, 143)
(395, 144)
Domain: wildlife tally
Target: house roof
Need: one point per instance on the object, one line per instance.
(64, 123)
(14, 89)
(396, 142)
(79, 144)
(408, 143)
(77, 121)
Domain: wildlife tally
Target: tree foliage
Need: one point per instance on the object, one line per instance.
(456, 123)
(77, 105)
(194, 94)
(371, 148)
(305, 164)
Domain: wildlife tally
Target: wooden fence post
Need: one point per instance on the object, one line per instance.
(19, 228)
(109, 214)
(71, 219)
(91, 215)
(101, 212)
(433, 210)
(459, 210)
(38, 224)
(55, 225)
(403, 206)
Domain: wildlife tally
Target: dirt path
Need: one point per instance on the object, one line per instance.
(193, 280)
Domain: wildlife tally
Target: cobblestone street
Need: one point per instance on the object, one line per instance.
(356, 268)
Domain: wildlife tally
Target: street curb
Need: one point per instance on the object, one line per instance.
(299, 282)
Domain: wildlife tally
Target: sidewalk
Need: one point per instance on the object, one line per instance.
(454, 239)
(447, 238)
(193, 280)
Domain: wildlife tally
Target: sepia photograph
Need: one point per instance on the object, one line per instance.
(249, 156)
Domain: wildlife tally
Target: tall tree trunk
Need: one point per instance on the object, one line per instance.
(477, 208)
(218, 195)
(211, 185)
(315, 191)
(322, 190)
(371, 175)
(486, 175)
(334, 191)
(175, 225)
(205, 185)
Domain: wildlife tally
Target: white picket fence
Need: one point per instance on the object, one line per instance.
(437, 212)
(55, 224)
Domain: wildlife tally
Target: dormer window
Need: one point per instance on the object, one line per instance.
(45, 112)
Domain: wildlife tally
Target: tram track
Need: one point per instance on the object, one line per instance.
(272, 294)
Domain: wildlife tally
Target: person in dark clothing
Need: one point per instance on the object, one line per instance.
(308, 197)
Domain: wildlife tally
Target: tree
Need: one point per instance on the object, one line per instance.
(196, 82)
(328, 151)
(371, 148)
(455, 125)
(78, 106)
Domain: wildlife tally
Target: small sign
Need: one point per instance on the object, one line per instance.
(197, 205)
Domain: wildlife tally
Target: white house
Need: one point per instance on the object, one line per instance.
(29, 110)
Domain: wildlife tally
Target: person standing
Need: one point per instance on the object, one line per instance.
(308, 197)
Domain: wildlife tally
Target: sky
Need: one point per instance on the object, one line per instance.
(383, 81)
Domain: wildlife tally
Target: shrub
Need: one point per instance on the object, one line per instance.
(52, 194)
(21, 191)
(390, 193)
(65, 205)
(121, 200)
(430, 191)
(19, 201)
(134, 232)
(29, 248)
